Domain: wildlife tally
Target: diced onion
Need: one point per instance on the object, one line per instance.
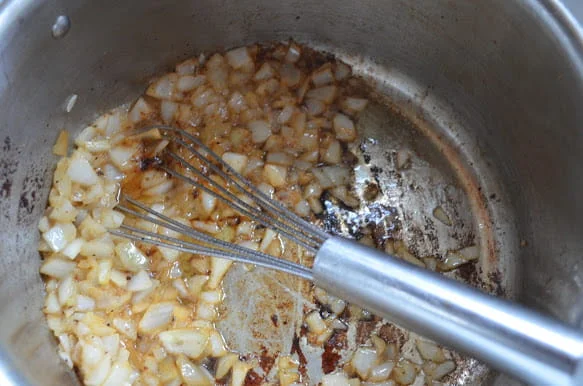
(260, 131)
(325, 94)
(190, 342)
(239, 58)
(157, 316)
(344, 128)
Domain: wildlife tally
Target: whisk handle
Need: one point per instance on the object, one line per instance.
(509, 337)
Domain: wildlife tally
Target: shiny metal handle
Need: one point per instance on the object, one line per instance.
(507, 336)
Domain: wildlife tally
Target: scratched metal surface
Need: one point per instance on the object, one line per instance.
(263, 309)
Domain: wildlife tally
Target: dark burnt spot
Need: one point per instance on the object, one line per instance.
(29, 198)
(496, 284)
(266, 361)
(331, 356)
(253, 379)
(275, 320)
(371, 191)
(392, 334)
(7, 144)
(469, 273)
(295, 349)
(376, 169)
(147, 163)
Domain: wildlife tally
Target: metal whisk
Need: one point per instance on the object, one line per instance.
(509, 337)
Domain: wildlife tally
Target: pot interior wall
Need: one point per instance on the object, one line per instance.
(497, 84)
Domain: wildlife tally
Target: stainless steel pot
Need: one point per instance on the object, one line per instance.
(495, 86)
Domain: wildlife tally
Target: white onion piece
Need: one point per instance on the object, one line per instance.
(152, 177)
(290, 75)
(190, 342)
(265, 72)
(430, 351)
(126, 327)
(73, 248)
(87, 134)
(322, 76)
(190, 82)
(330, 176)
(67, 291)
(470, 253)
(59, 236)
(192, 374)
(208, 201)
(302, 208)
(333, 153)
(279, 158)
(344, 128)
(121, 156)
(384, 383)
(239, 373)
(253, 164)
(239, 58)
(65, 211)
(131, 257)
(293, 53)
(302, 165)
(111, 218)
(452, 260)
(157, 316)
(276, 175)
(438, 371)
(235, 160)
(313, 189)
(285, 114)
(204, 97)
(315, 323)
(225, 364)
(99, 373)
(335, 379)
(363, 360)
(260, 131)
(325, 94)
(209, 227)
(404, 372)
(140, 110)
(140, 282)
(164, 87)
(120, 374)
(381, 372)
(168, 110)
(266, 189)
(84, 303)
(269, 236)
(315, 107)
(315, 205)
(237, 102)
(219, 268)
(211, 297)
(81, 171)
(217, 72)
(159, 189)
(101, 248)
(56, 267)
(342, 71)
(97, 145)
(187, 67)
(354, 105)
(113, 124)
